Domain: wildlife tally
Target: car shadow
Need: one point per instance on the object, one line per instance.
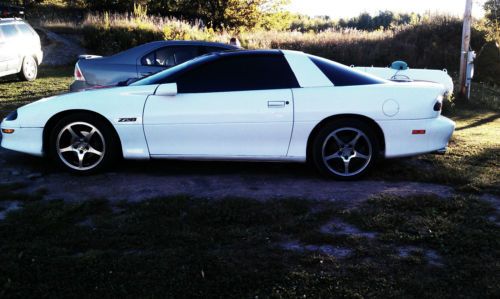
(26, 164)
(207, 168)
(480, 122)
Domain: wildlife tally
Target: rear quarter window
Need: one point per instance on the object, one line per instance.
(342, 75)
(25, 29)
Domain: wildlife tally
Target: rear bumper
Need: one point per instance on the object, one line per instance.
(401, 142)
(39, 57)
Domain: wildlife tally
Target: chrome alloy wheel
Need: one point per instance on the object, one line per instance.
(347, 152)
(81, 146)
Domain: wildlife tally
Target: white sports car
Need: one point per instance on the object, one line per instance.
(244, 105)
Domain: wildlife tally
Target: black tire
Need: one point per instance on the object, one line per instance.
(334, 146)
(66, 148)
(29, 69)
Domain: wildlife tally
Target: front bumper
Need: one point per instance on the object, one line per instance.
(24, 140)
(400, 142)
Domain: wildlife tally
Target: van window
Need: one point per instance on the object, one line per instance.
(9, 31)
(25, 29)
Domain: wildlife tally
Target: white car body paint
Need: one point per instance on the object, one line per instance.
(244, 125)
(306, 72)
(113, 104)
(215, 125)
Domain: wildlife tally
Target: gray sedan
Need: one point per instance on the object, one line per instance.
(141, 61)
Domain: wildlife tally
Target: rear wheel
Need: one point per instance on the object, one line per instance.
(345, 149)
(83, 144)
(29, 69)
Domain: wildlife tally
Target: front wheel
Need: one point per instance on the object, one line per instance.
(29, 69)
(83, 144)
(345, 149)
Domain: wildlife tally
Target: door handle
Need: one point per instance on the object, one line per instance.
(146, 74)
(277, 104)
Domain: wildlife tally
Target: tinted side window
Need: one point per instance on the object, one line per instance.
(235, 73)
(9, 31)
(342, 75)
(206, 50)
(170, 56)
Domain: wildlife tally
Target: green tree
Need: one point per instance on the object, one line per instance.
(229, 14)
(492, 24)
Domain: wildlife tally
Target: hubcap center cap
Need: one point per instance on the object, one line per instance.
(347, 152)
(80, 146)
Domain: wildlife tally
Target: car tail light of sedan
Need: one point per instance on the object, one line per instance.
(438, 106)
(78, 74)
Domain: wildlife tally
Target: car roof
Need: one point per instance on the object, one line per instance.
(187, 43)
(243, 52)
(11, 21)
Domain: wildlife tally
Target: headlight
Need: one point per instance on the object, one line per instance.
(11, 116)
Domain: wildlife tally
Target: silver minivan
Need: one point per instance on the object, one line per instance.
(20, 49)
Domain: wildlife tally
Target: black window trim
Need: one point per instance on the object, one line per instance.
(346, 75)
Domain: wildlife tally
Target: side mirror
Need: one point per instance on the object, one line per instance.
(167, 90)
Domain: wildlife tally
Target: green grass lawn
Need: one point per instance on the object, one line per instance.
(179, 247)
(50, 81)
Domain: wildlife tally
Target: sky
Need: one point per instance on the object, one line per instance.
(351, 8)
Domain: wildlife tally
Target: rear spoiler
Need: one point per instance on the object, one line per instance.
(87, 56)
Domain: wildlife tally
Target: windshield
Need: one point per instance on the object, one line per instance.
(167, 75)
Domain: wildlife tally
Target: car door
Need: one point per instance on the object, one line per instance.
(3, 55)
(231, 107)
(164, 58)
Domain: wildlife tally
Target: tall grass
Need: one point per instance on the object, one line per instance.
(432, 43)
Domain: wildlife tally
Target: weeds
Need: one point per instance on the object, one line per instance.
(183, 247)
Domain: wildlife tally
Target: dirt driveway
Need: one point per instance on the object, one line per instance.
(140, 180)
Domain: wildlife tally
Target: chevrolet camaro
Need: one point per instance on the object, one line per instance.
(265, 105)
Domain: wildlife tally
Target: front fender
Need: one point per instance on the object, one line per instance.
(123, 108)
(113, 103)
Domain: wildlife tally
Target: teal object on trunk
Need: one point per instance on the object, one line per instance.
(399, 65)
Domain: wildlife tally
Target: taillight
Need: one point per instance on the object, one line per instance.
(438, 106)
(78, 74)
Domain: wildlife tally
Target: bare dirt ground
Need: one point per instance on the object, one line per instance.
(141, 180)
(60, 49)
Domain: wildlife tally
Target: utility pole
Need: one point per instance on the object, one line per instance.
(466, 35)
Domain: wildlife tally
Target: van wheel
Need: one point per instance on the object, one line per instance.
(29, 69)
